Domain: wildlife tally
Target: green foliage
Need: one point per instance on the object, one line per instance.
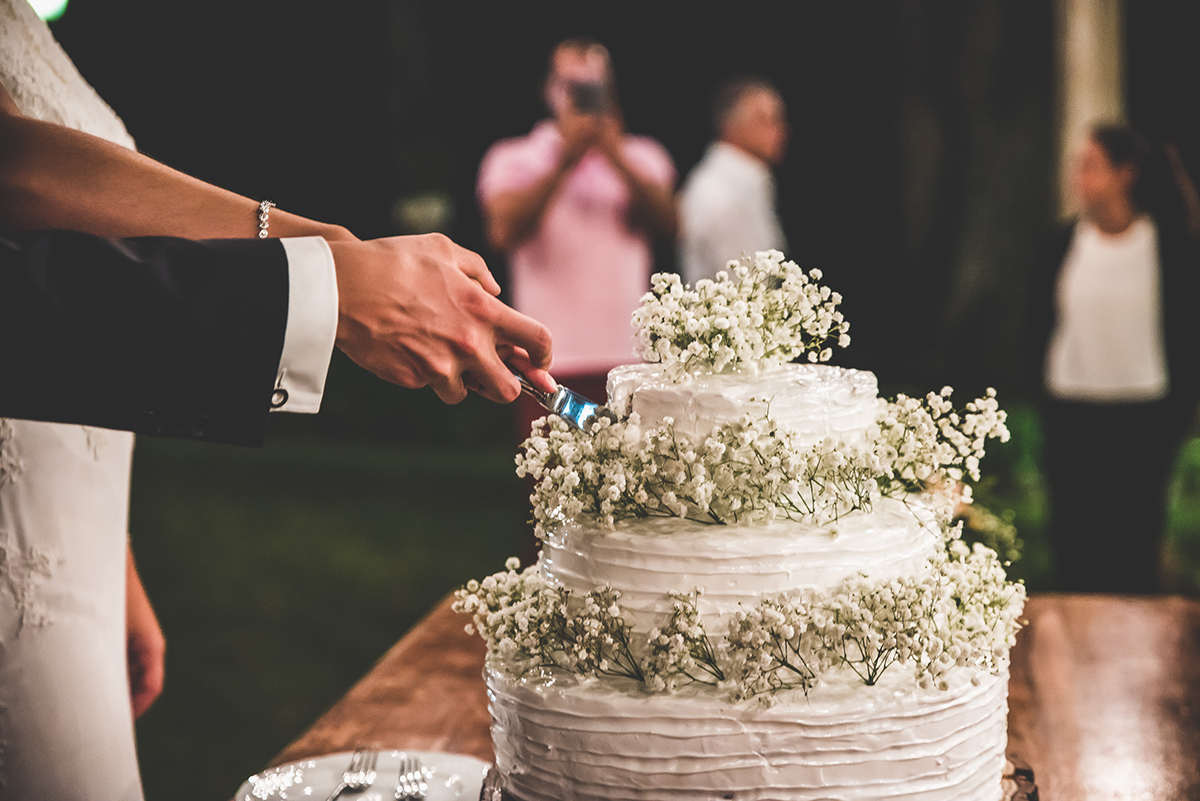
(996, 531)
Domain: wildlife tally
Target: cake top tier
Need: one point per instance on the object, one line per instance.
(814, 401)
(760, 313)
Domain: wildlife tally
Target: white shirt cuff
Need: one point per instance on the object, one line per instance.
(311, 326)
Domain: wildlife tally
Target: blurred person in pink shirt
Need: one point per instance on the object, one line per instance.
(574, 205)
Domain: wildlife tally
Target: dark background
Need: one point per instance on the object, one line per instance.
(920, 173)
(920, 178)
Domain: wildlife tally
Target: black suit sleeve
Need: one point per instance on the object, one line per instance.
(153, 335)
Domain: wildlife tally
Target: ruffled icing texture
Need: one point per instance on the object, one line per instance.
(562, 738)
(735, 564)
(816, 401)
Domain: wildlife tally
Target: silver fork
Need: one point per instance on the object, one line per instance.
(359, 775)
(411, 784)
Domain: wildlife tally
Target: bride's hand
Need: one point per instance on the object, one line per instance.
(421, 311)
(144, 642)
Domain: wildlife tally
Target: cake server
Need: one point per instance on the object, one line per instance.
(577, 410)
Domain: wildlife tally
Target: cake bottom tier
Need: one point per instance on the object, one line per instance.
(561, 739)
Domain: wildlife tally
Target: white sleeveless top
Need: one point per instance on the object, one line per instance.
(1108, 345)
(66, 725)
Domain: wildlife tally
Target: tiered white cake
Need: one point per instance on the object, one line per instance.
(879, 705)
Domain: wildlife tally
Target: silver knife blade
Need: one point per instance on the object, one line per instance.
(578, 411)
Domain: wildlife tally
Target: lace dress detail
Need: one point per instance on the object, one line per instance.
(10, 463)
(44, 82)
(66, 724)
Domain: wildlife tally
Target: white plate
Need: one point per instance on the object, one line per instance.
(452, 777)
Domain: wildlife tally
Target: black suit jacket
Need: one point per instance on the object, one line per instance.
(1179, 263)
(154, 335)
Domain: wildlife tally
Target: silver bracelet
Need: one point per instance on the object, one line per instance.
(264, 209)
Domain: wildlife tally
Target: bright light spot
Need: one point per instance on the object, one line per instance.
(49, 10)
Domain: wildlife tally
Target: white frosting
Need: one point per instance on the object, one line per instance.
(563, 738)
(646, 559)
(814, 400)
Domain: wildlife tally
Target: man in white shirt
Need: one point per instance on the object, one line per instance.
(727, 207)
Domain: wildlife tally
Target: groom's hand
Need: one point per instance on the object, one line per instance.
(421, 311)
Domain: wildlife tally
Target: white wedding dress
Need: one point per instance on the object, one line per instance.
(66, 724)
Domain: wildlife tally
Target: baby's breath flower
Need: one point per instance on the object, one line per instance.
(760, 312)
(681, 651)
(961, 613)
(753, 469)
(928, 447)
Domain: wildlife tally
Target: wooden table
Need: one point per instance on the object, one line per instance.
(1104, 700)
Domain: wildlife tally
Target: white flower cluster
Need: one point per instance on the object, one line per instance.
(976, 618)
(752, 469)
(529, 623)
(928, 442)
(681, 650)
(962, 613)
(519, 615)
(760, 312)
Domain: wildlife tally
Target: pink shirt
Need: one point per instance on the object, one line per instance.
(585, 270)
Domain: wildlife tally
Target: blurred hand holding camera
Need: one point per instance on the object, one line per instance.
(580, 133)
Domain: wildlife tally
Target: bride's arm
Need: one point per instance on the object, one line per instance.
(144, 642)
(56, 177)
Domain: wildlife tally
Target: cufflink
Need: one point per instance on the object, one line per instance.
(278, 398)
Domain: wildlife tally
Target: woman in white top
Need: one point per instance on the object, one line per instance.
(1118, 345)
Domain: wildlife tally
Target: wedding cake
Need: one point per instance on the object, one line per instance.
(749, 586)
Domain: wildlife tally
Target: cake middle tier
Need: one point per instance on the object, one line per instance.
(736, 564)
